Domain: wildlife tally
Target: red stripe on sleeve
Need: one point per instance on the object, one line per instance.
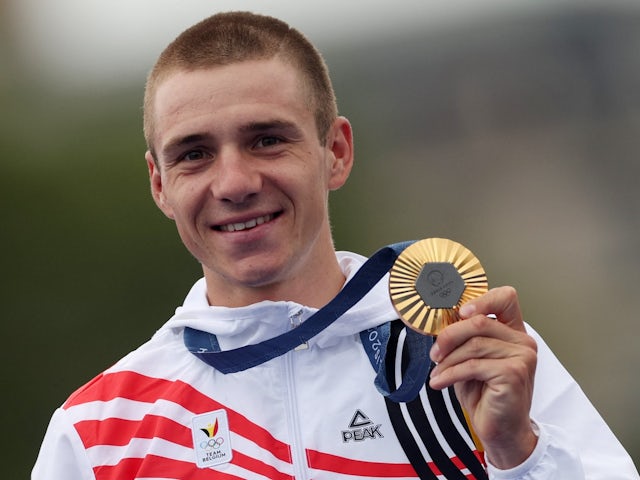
(259, 467)
(118, 432)
(348, 466)
(141, 388)
(153, 466)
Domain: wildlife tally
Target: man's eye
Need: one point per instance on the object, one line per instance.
(267, 142)
(193, 155)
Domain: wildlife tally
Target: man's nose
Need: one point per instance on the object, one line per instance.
(236, 177)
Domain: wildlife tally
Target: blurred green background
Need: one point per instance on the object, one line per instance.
(514, 132)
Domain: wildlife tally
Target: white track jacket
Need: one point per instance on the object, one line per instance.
(313, 413)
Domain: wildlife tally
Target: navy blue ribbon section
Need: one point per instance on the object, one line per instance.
(205, 346)
(416, 347)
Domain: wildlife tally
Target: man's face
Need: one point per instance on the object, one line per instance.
(242, 172)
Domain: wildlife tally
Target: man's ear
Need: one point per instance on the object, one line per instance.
(340, 144)
(155, 179)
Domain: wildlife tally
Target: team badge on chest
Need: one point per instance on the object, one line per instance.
(211, 439)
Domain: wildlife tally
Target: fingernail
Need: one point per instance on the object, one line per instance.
(434, 372)
(435, 353)
(467, 310)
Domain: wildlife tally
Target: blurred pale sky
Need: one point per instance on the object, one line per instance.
(89, 43)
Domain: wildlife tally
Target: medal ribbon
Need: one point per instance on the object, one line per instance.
(205, 345)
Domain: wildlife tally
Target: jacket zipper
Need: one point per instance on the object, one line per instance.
(295, 320)
(298, 455)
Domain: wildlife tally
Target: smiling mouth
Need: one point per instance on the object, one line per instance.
(249, 224)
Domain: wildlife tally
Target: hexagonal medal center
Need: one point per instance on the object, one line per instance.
(440, 285)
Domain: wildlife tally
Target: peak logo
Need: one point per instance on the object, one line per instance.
(361, 428)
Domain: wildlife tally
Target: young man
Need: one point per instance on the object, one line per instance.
(244, 146)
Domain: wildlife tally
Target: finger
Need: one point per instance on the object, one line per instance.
(513, 344)
(472, 330)
(501, 302)
(506, 364)
(480, 370)
(479, 347)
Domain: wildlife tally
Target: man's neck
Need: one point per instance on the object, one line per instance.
(312, 290)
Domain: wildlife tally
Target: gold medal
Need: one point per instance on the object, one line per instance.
(431, 279)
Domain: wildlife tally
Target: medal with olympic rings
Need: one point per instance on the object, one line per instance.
(431, 279)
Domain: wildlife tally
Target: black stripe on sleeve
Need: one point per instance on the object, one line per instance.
(400, 427)
(451, 433)
(409, 445)
(425, 430)
(414, 430)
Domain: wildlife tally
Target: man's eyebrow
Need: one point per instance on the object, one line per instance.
(267, 125)
(183, 141)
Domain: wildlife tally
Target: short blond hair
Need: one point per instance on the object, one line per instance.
(234, 37)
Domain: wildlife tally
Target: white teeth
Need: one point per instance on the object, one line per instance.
(235, 227)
